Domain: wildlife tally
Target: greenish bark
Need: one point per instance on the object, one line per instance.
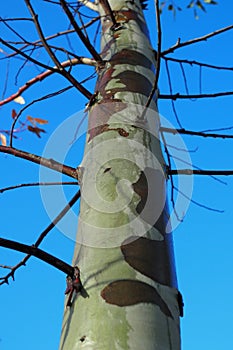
(130, 297)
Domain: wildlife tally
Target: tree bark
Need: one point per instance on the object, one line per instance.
(124, 245)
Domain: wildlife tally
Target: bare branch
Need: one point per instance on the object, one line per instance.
(23, 54)
(170, 89)
(108, 11)
(207, 65)
(179, 44)
(197, 203)
(41, 35)
(33, 184)
(200, 172)
(195, 133)
(89, 4)
(47, 73)
(42, 236)
(48, 163)
(38, 253)
(180, 96)
(84, 39)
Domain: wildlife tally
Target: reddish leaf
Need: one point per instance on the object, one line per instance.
(36, 120)
(13, 113)
(35, 130)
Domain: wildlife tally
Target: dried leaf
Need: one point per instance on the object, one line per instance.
(35, 130)
(3, 139)
(13, 113)
(36, 120)
(20, 100)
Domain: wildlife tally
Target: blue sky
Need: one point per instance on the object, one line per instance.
(32, 306)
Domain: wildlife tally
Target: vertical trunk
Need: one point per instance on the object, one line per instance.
(130, 300)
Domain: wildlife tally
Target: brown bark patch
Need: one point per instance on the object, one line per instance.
(150, 188)
(149, 257)
(132, 292)
(132, 57)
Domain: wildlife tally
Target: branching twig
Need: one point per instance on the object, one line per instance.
(42, 236)
(85, 40)
(197, 63)
(38, 253)
(9, 188)
(180, 96)
(179, 44)
(48, 163)
(47, 73)
(194, 133)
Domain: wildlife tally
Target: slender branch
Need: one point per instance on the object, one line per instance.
(23, 54)
(9, 188)
(47, 73)
(195, 133)
(48, 163)
(171, 178)
(89, 4)
(170, 89)
(42, 236)
(200, 172)
(41, 35)
(180, 96)
(108, 11)
(38, 253)
(84, 39)
(197, 203)
(197, 63)
(179, 44)
(53, 36)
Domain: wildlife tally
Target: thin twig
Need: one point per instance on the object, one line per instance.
(180, 96)
(171, 178)
(197, 63)
(32, 184)
(47, 73)
(42, 236)
(194, 133)
(179, 44)
(197, 203)
(170, 89)
(85, 40)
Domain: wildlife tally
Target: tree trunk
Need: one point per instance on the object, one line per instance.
(124, 250)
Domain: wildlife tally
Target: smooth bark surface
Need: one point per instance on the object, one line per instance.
(125, 255)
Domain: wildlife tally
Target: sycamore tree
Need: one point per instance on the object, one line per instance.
(82, 87)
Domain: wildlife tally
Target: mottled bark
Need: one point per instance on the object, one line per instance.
(130, 298)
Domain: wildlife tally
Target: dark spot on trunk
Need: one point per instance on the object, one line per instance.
(106, 170)
(150, 188)
(132, 292)
(82, 338)
(149, 257)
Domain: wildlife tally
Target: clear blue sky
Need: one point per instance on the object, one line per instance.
(32, 306)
